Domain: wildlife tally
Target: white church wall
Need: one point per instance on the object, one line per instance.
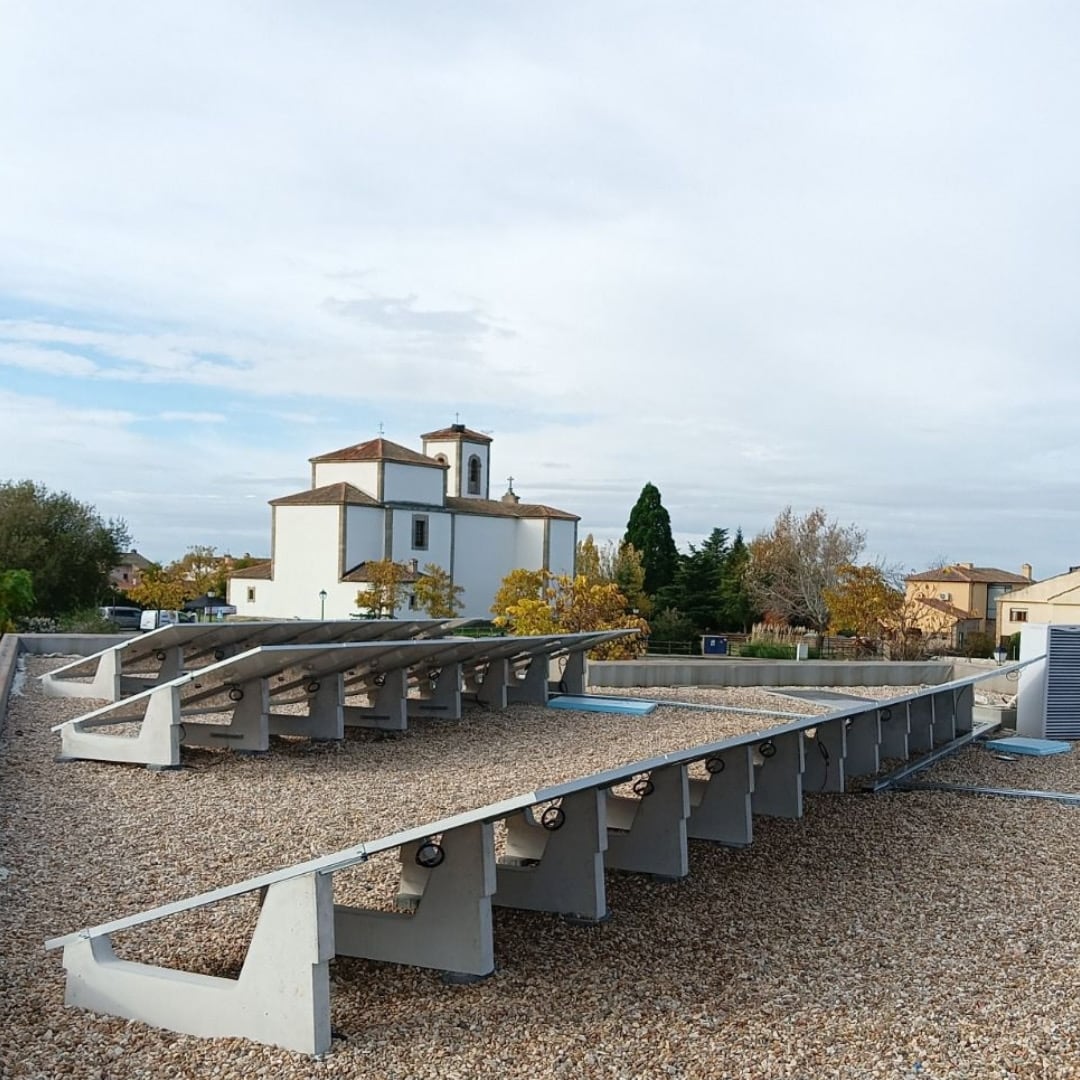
(485, 551)
(412, 483)
(439, 530)
(529, 543)
(562, 546)
(361, 474)
(363, 535)
(305, 562)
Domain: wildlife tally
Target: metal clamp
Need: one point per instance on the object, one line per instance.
(312, 687)
(767, 749)
(160, 655)
(219, 654)
(885, 714)
(430, 854)
(379, 678)
(553, 818)
(235, 693)
(643, 786)
(714, 765)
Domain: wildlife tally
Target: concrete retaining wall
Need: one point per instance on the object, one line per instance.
(709, 672)
(9, 657)
(1000, 685)
(13, 645)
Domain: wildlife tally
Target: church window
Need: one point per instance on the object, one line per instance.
(420, 532)
(474, 475)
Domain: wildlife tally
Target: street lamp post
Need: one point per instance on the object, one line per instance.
(322, 603)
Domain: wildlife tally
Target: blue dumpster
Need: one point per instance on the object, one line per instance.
(712, 645)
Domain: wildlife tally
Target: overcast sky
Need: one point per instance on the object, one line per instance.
(754, 253)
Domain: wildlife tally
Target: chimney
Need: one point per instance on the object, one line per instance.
(1025, 570)
(966, 565)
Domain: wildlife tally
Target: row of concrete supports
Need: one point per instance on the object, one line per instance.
(552, 858)
(251, 711)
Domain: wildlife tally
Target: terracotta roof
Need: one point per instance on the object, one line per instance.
(257, 570)
(946, 608)
(457, 431)
(327, 495)
(133, 558)
(496, 508)
(361, 572)
(983, 574)
(379, 450)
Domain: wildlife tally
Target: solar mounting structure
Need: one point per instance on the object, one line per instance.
(559, 841)
(156, 657)
(305, 690)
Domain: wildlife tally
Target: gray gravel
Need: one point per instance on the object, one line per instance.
(906, 935)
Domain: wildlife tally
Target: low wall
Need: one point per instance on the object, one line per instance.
(9, 658)
(12, 645)
(1002, 684)
(709, 672)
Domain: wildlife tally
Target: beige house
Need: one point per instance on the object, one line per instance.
(1055, 600)
(952, 602)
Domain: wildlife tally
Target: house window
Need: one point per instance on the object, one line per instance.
(412, 602)
(1018, 614)
(251, 594)
(419, 532)
(474, 475)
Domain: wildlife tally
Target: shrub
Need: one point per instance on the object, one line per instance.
(979, 644)
(86, 621)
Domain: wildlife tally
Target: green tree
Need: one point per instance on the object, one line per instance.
(649, 531)
(590, 562)
(695, 592)
(64, 544)
(628, 572)
(437, 594)
(16, 597)
(737, 608)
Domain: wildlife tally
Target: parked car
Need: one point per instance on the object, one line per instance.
(124, 618)
(154, 618)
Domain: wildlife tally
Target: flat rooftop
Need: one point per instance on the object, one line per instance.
(901, 935)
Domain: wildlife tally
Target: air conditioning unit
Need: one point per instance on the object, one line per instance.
(1048, 696)
(944, 595)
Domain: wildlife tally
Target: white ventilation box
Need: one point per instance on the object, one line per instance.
(1048, 697)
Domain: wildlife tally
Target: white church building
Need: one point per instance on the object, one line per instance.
(378, 500)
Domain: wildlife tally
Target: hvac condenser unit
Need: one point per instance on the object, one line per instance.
(1048, 697)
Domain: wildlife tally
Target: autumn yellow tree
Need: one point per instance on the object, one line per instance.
(437, 594)
(863, 601)
(537, 602)
(160, 587)
(518, 586)
(589, 560)
(387, 585)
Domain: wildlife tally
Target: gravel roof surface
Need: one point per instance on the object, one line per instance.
(904, 935)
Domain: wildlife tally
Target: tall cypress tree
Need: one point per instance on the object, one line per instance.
(649, 530)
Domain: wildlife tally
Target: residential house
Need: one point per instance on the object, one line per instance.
(128, 571)
(379, 500)
(953, 602)
(1054, 600)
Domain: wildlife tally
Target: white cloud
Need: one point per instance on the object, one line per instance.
(823, 257)
(193, 417)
